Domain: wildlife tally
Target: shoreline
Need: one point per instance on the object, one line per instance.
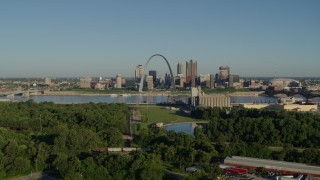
(251, 93)
(75, 93)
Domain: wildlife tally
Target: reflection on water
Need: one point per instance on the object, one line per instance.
(140, 99)
(108, 99)
(183, 127)
(253, 99)
(316, 99)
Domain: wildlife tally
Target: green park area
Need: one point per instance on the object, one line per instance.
(165, 115)
(161, 114)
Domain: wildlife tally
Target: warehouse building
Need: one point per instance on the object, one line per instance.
(200, 99)
(283, 167)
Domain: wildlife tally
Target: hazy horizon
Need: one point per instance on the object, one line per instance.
(105, 38)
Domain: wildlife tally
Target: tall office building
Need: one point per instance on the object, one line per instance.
(168, 80)
(118, 81)
(149, 80)
(224, 72)
(138, 73)
(212, 80)
(230, 81)
(234, 80)
(130, 83)
(191, 72)
(179, 68)
(191, 68)
(153, 73)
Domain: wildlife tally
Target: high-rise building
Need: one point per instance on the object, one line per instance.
(191, 68)
(191, 72)
(230, 81)
(179, 68)
(138, 73)
(179, 81)
(224, 72)
(212, 80)
(118, 81)
(168, 80)
(85, 82)
(123, 81)
(234, 80)
(149, 80)
(153, 73)
(130, 83)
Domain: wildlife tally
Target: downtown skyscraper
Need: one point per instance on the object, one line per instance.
(138, 73)
(191, 72)
(180, 68)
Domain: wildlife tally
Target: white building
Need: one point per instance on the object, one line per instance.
(149, 80)
(118, 81)
(85, 82)
(138, 73)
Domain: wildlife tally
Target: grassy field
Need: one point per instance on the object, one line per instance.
(158, 114)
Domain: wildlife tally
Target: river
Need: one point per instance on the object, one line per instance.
(68, 99)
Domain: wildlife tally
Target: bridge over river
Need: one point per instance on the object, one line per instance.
(307, 94)
(27, 92)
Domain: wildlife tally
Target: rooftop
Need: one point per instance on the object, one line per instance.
(273, 164)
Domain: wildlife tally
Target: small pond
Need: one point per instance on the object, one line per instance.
(181, 127)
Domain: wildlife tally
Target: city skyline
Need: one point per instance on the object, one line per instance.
(78, 38)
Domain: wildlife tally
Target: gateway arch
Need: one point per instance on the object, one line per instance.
(145, 67)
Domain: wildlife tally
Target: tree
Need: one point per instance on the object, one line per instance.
(199, 133)
(112, 137)
(311, 156)
(152, 169)
(73, 176)
(20, 165)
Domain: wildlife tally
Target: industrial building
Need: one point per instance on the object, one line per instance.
(282, 167)
(200, 99)
(214, 101)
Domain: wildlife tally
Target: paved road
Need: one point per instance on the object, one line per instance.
(177, 175)
(33, 176)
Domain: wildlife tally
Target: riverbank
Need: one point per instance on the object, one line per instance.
(167, 93)
(249, 93)
(79, 93)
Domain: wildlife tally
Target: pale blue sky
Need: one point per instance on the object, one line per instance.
(62, 38)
